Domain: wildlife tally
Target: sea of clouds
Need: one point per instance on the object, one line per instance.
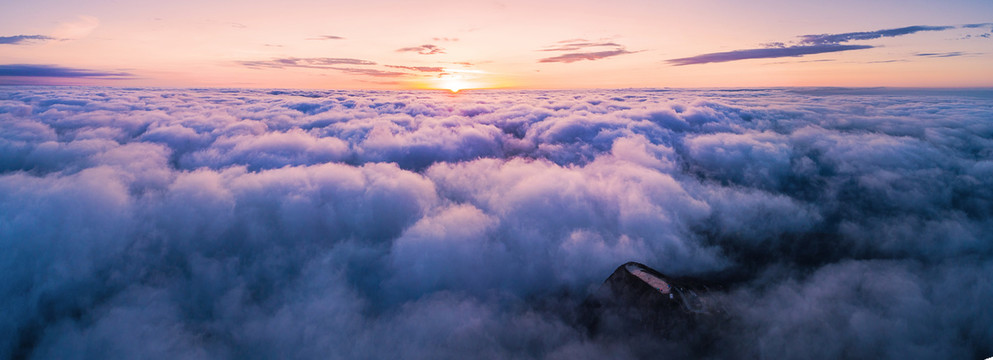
(158, 223)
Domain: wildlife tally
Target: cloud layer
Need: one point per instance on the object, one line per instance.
(365, 224)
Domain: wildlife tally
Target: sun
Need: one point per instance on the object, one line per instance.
(454, 83)
(456, 80)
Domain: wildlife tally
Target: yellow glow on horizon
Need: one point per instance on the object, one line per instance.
(455, 82)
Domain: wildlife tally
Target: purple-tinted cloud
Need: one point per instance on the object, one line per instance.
(22, 39)
(418, 68)
(807, 45)
(764, 53)
(823, 39)
(335, 64)
(979, 25)
(370, 72)
(31, 70)
(313, 63)
(426, 49)
(579, 44)
(583, 44)
(573, 57)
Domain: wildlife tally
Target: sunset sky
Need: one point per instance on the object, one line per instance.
(497, 44)
(381, 179)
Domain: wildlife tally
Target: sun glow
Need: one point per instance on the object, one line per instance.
(454, 82)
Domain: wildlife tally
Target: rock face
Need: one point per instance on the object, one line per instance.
(638, 299)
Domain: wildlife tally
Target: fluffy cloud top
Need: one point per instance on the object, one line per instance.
(363, 224)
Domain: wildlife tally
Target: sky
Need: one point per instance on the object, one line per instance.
(497, 44)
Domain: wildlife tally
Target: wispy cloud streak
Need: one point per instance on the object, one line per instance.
(370, 72)
(573, 57)
(418, 68)
(29, 70)
(808, 45)
(579, 45)
(764, 53)
(327, 37)
(23, 39)
(942, 55)
(822, 39)
(313, 63)
(615, 49)
(338, 64)
(426, 49)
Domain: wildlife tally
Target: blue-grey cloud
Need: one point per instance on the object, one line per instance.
(226, 223)
(942, 55)
(807, 45)
(33, 70)
(867, 35)
(765, 53)
(979, 25)
(22, 39)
